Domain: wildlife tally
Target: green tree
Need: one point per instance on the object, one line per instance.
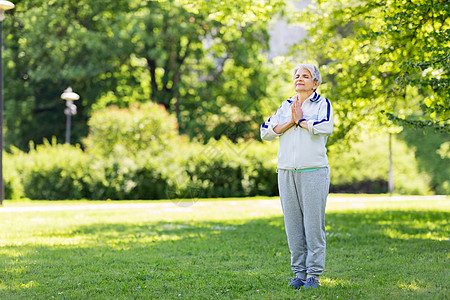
(182, 54)
(388, 56)
(426, 25)
(205, 62)
(49, 46)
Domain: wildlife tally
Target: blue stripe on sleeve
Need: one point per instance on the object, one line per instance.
(328, 114)
(265, 125)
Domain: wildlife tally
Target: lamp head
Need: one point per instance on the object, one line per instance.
(4, 5)
(69, 95)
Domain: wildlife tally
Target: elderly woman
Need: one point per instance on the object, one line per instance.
(303, 123)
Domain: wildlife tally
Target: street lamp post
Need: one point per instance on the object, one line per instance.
(70, 110)
(4, 5)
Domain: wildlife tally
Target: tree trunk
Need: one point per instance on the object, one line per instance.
(391, 171)
(151, 63)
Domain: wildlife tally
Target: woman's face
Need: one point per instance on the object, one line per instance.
(303, 81)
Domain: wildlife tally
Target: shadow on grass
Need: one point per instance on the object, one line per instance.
(370, 255)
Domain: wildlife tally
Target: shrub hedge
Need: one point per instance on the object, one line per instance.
(218, 169)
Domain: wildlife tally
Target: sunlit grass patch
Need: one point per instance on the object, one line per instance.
(410, 286)
(335, 283)
(220, 250)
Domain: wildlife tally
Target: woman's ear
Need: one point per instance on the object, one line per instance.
(316, 85)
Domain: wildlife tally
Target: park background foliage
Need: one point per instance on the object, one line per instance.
(173, 92)
(124, 159)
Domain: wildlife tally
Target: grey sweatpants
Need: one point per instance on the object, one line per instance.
(303, 198)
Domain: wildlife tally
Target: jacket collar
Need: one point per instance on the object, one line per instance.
(313, 98)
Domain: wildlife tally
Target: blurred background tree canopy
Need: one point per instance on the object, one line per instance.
(384, 60)
(202, 71)
(195, 59)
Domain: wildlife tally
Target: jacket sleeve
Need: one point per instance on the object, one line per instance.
(266, 128)
(324, 123)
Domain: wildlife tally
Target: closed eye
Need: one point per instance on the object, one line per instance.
(306, 76)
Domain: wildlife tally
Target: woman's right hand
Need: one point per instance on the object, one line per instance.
(297, 112)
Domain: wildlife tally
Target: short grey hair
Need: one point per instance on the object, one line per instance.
(312, 69)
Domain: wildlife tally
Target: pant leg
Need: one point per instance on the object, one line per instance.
(293, 221)
(313, 194)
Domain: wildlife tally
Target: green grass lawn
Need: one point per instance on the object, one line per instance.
(223, 250)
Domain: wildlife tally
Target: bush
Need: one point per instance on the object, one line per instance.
(12, 180)
(204, 171)
(124, 178)
(224, 169)
(61, 171)
(124, 160)
(53, 172)
(144, 127)
(217, 176)
(260, 171)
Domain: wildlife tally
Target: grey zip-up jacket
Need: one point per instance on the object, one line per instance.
(301, 148)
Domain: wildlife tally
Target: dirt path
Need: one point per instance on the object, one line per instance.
(177, 205)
